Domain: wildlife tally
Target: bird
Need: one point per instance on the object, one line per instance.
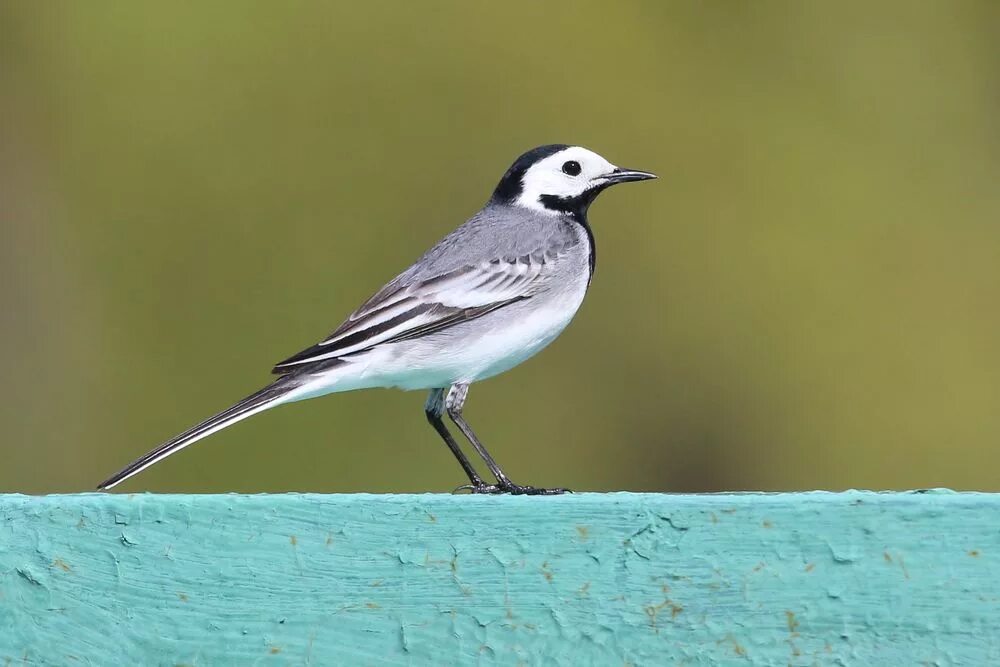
(488, 296)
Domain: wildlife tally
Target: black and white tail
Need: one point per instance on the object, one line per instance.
(268, 397)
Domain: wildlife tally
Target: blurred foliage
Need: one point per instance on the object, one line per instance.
(807, 298)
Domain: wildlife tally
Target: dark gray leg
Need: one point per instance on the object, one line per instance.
(434, 409)
(454, 401)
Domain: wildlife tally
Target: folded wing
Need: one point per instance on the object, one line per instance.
(403, 310)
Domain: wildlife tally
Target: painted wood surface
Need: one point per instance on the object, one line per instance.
(851, 578)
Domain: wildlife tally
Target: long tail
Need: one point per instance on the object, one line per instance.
(267, 397)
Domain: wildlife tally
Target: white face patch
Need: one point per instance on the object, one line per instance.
(548, 177)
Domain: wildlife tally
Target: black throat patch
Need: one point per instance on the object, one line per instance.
(575, 206)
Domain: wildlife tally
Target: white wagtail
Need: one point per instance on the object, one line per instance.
(488, 296)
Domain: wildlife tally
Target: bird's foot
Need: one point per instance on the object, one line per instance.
(511, 488)
(518, 490)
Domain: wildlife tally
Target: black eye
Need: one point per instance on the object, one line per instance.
(572, 168)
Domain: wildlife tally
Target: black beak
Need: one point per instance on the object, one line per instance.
(620, 175)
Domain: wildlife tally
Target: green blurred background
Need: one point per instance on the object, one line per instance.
(808, 298)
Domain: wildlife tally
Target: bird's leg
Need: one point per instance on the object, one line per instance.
(454, 401)
(434, 408)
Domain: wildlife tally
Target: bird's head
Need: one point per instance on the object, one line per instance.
(558, 179)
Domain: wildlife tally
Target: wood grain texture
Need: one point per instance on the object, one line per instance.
(851, 578)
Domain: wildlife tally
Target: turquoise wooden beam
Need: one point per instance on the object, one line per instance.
(612, 579)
